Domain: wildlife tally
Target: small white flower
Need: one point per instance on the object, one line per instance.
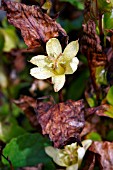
(56, 64)
(71, 156)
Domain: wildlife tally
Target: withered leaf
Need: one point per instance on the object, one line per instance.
(104, 153)
(91, 47)
(90, 11)
(27, 104)
(90, 40)
(63, 122)
(89, 127)
(111, 37)
(99, 110)
(36, 27)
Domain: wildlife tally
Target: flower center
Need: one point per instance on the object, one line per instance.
(69, 156)
(59, 69)
(57, 66)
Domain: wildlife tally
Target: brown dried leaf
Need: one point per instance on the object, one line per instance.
(90, 11)
(99, 110)
(91, 47)
(89, 127)
(63, 122)
(90, 39)
(27, 104)
(111, 37)
(104, 153)
(36, 27)
(17, 60)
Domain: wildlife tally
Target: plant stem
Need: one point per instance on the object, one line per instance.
(101, 30)
(11, 166)
(60, 96)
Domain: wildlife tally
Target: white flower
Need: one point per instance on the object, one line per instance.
(71, 156)
(56, 64)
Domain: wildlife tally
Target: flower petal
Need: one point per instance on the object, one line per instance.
(58, 82)
(71, 50)
(53, 47)
(55, 154)
(81, 150)
(68, 69)
(71, 67)
(74, 64)
(39, 60)
(72, 167)
(41, 73)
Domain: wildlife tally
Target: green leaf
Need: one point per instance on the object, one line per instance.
(9, 129)
(11, 39)
(94, 136)
(108, 20)
(91, 99)
(109, 96)
(110, 136)
(77, 3)
(2, 41)
(28, 150)
(109, 111)
(76, 89)
(101, 75)
(105, 6)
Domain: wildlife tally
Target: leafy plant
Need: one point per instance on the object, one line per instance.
(72, 42)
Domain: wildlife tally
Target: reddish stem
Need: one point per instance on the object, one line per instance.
(60, 96)
(11, 166)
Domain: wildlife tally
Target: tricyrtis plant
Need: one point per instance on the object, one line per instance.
(56, 64)
(71, 156)
(84, 65)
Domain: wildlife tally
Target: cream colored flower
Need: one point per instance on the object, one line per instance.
(71, 156)
(56, 64)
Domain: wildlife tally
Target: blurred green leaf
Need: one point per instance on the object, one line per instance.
(9, 129)
(76, 89)
(101, 75)
(71, 25)
(11, 39)
(28, 150)
(5, 109)
(82, 58)
(5, 24)
(92, 101)
(2, 41)
(109, 96)
(3, 78)
(109, 111)
(108, 20)
(105, 5)
(77, 3)
(109, 136)
(94, 136)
